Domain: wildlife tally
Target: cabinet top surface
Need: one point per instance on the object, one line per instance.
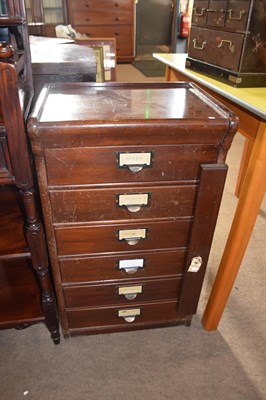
(118, 103)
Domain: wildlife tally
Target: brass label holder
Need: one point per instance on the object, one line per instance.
(135, 162)
(130, 292)
(132, 236)
(130, 314)
(133, 201)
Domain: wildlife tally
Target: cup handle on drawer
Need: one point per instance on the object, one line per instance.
(131, 266)
(129, 315)
(133, 201)
(203, 44)
(132, 236)
(135, 162)
(130, 292)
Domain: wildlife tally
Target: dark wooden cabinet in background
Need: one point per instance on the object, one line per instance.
(131, 177)
(26, 290)
(228, 41)
(106, 19)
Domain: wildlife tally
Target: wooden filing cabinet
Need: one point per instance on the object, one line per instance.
(131, 178)
(228, 41)
(106, 19)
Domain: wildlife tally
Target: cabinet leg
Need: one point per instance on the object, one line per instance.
(39, 256)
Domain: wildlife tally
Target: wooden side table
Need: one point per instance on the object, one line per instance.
(249, 105)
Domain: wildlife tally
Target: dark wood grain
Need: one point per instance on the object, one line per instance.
(78, 152)
(20, 302)
(108, 294)
(23, 299)
(106, 268)
(104, 238)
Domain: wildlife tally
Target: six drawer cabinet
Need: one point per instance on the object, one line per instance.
(228, 41)
(131, 177)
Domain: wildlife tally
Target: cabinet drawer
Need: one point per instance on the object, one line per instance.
(117, 204)
(237, 15)
(109, 7)
(160, 313)
(141, 265)
(111, 165)
(228, 48)
(121, 294)
(98, 17)
(216, 47)
(199, 12)
(216, 13)
(121, 238)
(122, 34)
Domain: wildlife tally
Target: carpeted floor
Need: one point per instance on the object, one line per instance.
(179, 363)
(150, 68)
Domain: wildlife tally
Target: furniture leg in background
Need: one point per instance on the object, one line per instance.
(249, 203)
(249, 105)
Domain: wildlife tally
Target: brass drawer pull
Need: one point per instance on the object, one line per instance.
(215, 11)
(130, 292)
(199, 47)
(241, 14)
(199, 14)
(132, 236)
(133, 201)
(231, 45)
(129, 315)
(135, 162)
(131, 266)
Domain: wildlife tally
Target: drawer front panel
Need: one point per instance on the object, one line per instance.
(122, 33)
(105, 239)
(97, 17)
(216, 47)
(117, 6)
(144, 314)
(121, 294)
(92, 166)
(200, 43)
(143, 265)
(237, 15)
(118, 204)
(216, 13)
(228, 49)
(199, 13)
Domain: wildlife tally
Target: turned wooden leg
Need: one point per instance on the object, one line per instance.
(36, 242)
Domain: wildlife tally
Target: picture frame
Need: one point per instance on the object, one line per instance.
(109, 54)
(98, 53)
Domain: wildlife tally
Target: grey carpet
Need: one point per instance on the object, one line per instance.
(185, 363)
(150, 68)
